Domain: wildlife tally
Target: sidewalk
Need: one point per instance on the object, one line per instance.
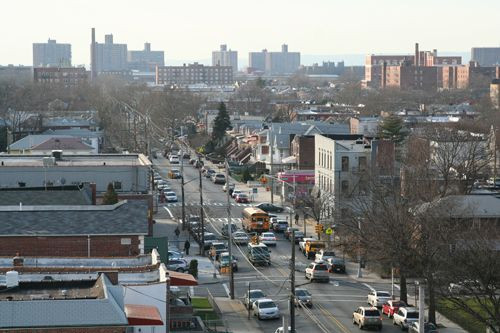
(236, 316)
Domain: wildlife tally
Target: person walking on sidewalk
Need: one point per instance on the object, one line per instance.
(177, 232)
(297, 218)
(187, 245)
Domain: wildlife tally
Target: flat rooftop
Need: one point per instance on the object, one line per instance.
(53, 290)
(75, 160)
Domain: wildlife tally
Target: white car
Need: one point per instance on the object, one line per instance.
(164, 187)
(324, 255)
(405, 316)
(265, 308)
(240, 237)
(317, 271)
(171, 196)
(268, 238)
(281, 330)
(236, 192)
(174, 159)
(378, 298)
(251, 296)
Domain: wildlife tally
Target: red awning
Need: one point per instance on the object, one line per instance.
(181, 279)
(142, 315)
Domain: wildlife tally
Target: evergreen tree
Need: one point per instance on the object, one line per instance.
(392, 128)
(246, 176)
(221, 123)
(110, 197)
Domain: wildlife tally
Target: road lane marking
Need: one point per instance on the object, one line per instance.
(226, 289)
(332, 318)
(169, 212)
(368, 286)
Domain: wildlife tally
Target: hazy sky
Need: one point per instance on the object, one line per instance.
(191, 29)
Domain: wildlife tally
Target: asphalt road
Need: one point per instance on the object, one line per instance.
(334, 302)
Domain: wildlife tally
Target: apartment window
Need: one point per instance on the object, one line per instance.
(345, 163)
(345, 187)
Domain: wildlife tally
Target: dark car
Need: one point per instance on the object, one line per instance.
(270, 208)
(288, 232)
(186, 155)
(299, 236)
(428, 328)
(336, 265)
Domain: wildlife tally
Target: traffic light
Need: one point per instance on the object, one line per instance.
(318, 228)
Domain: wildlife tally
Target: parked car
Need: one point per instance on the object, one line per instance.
(336, 265)
(367, 317)
(178, 264)
(324, 255)
(378, 298)
(391, 307)
(209, 173)
(270, 208)
(192, 161)
(227, 187)
(236, 192)
(303, 296)
(186, 155)
(175, 174)
(218, 178)
(265, 308)
(224, 261)
(240, 237)
(251, 296)
(281, 330)
(428, 328)
(174, 254)
(317, 271)
(268, 238)
(404, 317)
(219, 248)
(280, 225)
(174, 159)
(242, 198)
(209, 239)
(164, 187)
(171, 196)
(299, 236)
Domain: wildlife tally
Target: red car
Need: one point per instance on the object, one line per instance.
(392, 306)
(242, 198)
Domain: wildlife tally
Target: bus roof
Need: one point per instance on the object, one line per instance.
(253, 210)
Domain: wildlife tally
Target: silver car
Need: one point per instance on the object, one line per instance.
(265, 308)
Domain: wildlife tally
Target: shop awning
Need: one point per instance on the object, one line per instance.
(181, 279)
(142, 315)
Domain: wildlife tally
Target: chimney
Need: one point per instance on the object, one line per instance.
(147, 47)
(284, 48)
(93, 65)
(417, 56)
(93, 189)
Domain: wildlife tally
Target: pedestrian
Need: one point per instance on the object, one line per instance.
(187, 245)
(297, 218)
(177, 232)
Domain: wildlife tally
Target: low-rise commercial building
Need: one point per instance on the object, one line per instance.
(68, 77)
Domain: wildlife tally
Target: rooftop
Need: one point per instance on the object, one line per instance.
(62, 143)
(76, 160)
(72, 195)
(123, 218)
(33, 140)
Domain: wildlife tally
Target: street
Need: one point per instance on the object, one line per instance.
(333, 302)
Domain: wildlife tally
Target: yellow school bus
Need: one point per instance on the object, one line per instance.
(255, 220)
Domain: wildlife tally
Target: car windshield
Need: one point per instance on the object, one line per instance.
(239, 234)
(267, 305)
(338, 261)
(267, 234)
(210, 237)
(257, 294)
(283, 222)
(372, 313)
(412, 315)
(320, 268)
(383, 294)
(302, 292)
(241, 195)
(219, 246)
(299, 234)
(328, 253)
(398, 304)
(170, 193)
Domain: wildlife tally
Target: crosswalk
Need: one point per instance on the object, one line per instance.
(224, 219)
(212, 204)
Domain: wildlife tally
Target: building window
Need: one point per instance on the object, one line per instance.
(345, 163)
(362, 163)
(117, 185)
(345, 187)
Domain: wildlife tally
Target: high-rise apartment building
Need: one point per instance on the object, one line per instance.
(110, 56)
(486, 56)
(275, 63)
(257, 61)
(194, 74)
(225, 57)
(51, 54)
(145, 60)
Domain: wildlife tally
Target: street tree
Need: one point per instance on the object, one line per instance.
(392, 128)
(110, 197)
(221, 124)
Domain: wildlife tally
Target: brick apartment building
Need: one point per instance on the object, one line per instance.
(303, 150)
(68, 77)
(409, 77)
(464, 76)
(194, 74)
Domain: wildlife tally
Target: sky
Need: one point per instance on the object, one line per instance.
(188, 30)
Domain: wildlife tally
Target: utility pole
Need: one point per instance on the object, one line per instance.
(182, 193)
(202, 220)
(421, 306)
(167, 304)
(230, 233)
(360, 271)
(272, 169)
(292, 286)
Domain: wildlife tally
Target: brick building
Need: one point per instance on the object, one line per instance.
(465, 76)
(409, 77)
(194, 74)
(64, 76)
(75, 231)
(303, 150)
(495, 92)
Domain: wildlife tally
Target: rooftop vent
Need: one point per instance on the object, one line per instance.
(57, 154)
(12, 279)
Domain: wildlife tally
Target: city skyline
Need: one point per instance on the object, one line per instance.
(186, 37)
